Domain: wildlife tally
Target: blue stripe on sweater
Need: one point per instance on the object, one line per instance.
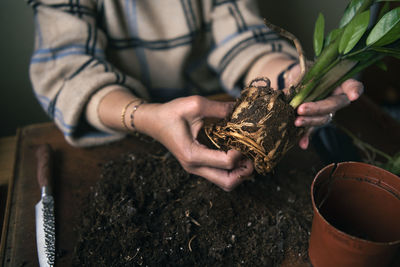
(44, 102)
(239, 17)
(249, 28)
(239, 47)
(97, 134)
(49, 54)
(192, 13)
(222, 2)
(134, 32)
(185, 12)
(152, 45)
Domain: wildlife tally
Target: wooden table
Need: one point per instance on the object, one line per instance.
(8, 147)
(76, 169)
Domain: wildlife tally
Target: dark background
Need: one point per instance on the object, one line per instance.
(18, 106)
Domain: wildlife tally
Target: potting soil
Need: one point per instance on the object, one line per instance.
(146, 210)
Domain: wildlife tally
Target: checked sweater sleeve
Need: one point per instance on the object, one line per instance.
(68, 69)
(241, 38)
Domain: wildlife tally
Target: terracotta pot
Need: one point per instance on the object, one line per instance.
(356, 216)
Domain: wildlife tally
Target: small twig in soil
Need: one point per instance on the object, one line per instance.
(195, 222)
(129, 258)
(163, 157)
(190, 242)
(187, 214)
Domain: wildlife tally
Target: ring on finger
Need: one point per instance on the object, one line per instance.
(330, 118)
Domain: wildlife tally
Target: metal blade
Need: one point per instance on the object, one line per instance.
(45, 231)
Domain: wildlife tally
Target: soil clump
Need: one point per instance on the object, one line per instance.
(261, 126)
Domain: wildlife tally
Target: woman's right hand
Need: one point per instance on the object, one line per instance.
(176, 124)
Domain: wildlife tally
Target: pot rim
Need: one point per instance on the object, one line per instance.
(340, 232)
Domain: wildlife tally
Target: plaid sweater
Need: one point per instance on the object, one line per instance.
(157, 49)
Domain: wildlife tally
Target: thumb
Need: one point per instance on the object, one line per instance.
(216, 109)
(292, 76)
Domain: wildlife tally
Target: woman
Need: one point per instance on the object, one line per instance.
(102, 69)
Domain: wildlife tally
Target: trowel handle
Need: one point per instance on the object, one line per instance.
(44, 165)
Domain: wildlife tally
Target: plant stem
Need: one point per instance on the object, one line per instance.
(327, 56)
(319, 77)
(359, 67)
(306, 88)
(325, 62)
(365, 145)
(304, 91)
(332, 77)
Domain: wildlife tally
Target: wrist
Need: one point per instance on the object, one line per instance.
(145, 118)
(128, 114)
(95, 104)
(282, 76)
(114, 109)
(269, 66)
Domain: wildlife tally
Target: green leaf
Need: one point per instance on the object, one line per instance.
(381, 65)
(332, 36)
(319, 34)
(387, 30)
(355, 7)
(353, 32)
(387, 50)
(393, 165)
(364, 56)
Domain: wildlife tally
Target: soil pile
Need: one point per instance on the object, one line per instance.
(146, 210)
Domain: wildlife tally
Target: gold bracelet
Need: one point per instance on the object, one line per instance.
(133, 112)
(123, 113)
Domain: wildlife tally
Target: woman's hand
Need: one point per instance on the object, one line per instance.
(319, 113)
(176, 125)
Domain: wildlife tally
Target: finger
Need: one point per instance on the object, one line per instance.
(323, 107)
(200, 106)
(292, 76)
(196, 126)
(225, 179)
(217, 109)
(303, 143)
(308, 121)
(203, 156)
(305, 139)
(353, 89)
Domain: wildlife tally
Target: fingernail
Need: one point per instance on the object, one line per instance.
(302, 110)
(298, 122)
(354, 96)
(304, 143)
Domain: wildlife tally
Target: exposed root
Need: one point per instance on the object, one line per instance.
(190, 242)
(261, 126)
(239, 138)
(299, 48)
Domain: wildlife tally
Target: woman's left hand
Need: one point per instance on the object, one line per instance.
(319, 113)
